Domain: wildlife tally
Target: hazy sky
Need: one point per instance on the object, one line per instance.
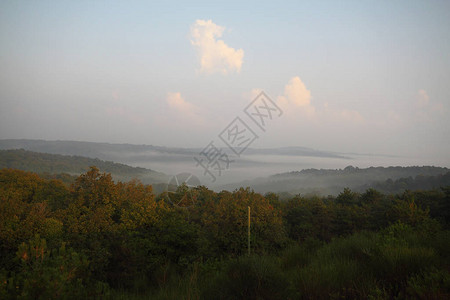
(351, 76)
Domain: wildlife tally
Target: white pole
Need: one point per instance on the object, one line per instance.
(249, 230)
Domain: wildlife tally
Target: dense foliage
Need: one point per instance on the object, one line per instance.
(104, 239)
(46, 164)
(331, 182)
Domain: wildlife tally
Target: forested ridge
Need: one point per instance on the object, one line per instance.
(308, 181)
(333, 181)
(47, 164)
(100, 238)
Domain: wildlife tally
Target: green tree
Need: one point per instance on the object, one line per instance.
(59, 273)
(308, 218)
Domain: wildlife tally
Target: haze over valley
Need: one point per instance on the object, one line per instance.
(293, 170)
(222, 150)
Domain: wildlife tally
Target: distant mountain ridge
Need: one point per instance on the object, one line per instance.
(328, 181)
(110, 151)
(75, 157)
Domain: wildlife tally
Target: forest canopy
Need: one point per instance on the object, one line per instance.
(100, 238)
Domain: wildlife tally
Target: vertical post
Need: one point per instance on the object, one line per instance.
(249, 230)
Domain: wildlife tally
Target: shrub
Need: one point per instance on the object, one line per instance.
(58, 274)
(249, 278)
(299, 255)
(434, 284)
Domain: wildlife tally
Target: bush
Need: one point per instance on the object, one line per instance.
(57, 274)
(338, 269)
(249, 278)
(299, 255)
(434, 284)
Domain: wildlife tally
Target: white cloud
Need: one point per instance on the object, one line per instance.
(182, 121)
(184, 111)
(426, 109)
(175, 100)
(297, 95)
(296, 101)
(215, 55)
(250, 96)
(424, 102)
(423, 98)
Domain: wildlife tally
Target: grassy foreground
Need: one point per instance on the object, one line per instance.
(399, 262)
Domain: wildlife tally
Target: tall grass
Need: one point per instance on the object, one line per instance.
(338, 269)
(398, 262)
(250, 278)
(364, 265)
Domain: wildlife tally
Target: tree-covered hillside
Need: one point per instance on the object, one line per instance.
(331, 182)
(100, 239)
(44, 163)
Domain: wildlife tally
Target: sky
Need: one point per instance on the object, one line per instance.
(347, 76)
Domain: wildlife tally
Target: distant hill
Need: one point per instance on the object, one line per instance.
(115, 152)
(174, 160)
(45, 163)
(331, 182)
(88, 149)
(74, 157)
(420, 182)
